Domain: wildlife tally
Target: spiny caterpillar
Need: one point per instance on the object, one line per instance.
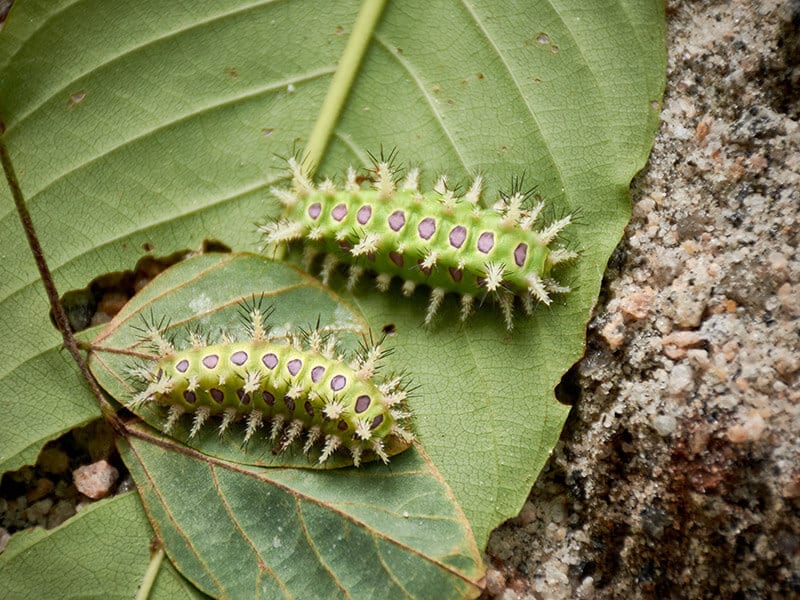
(437, 238)
(299, 385)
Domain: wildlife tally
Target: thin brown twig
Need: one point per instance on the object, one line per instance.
(70, 343)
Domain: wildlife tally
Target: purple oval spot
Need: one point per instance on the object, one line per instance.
(243, 397)
(314, 210)
(268, 398)
(397, 220)
(317, 373)
(342, 426)
(456, 274)
(239, 358)
(364, 214)
(288, 402)
(269, 360)
(217, 395)
(426, 228)
(294, 366)
(457, 236)
(309, 408)
(520, 254)
(182, 366)
(376, 421)
(396, 258)
(338, 382)
(339, 212)
(211, 361)
(190, 396)
(362, 403)
(486, 242)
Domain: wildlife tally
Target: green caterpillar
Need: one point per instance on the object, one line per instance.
(302, 389)
(439, 239)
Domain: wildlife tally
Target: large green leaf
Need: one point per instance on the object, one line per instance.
(148, 125)
(372, 532)
(103, 552)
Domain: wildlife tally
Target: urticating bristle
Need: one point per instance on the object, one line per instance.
(537, 289)
(440, 187)
(332, 442)
(530, 217)
(377, 448)
(311, 439)
(473, 195)
(328, 188)
(355, 274)
(403, 434)
(437, 295)
(286, 197)
(282, 231)
(506, 301)
(252, 381)
(366, 245)
(466, 306)
(363, 430)
(333, 409)
(161, 344)
(408, 288)
(549, 233)
(227, 418)
(493, 276)
(277, 427)
(254, 421)
(173, 414)
(430, 260)
(367, 364)
(383, 281)
(527, 303)
(411, 183)
(328, 265)
(351, 185)
(356, 451)
(561, 255)
(385, 181)
(300, 182)
(293, 432)
(200, 417)
(552, 286)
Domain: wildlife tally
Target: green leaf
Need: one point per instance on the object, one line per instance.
(102, 552)
(239, 531)
(144, 125)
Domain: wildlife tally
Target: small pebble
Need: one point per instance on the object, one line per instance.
(495, 582)
(665, 424)
(750, 430)
(95, 480)
(681, 380)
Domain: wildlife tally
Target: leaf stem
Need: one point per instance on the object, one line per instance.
(49, 285)
(342, 82)
(150, 575)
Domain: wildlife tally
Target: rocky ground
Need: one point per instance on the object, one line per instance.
(678, 474)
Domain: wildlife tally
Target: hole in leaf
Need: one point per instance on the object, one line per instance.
(106, 294)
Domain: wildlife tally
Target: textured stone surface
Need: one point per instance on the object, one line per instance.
(678, 474)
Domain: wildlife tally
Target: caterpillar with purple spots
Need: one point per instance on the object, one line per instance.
(447, 242)
(296, 385)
